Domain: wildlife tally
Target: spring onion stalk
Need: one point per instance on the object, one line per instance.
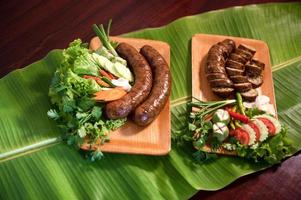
(208, 107)
(104, 36)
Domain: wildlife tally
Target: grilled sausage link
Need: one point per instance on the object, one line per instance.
(152, 106)
(215, 68)
(141, 88)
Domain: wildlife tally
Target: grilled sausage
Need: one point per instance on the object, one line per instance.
(249, 49)
(250, 95)
(242, 60)
(215, 67)
(227, 65)
(152, 106)
(254, 72)
(141, 88)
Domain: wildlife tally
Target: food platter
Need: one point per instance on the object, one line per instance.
(153, 139)
(250, 128)
(201, 43)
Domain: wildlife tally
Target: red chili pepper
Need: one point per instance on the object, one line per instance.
(87, 77)
(238, 116)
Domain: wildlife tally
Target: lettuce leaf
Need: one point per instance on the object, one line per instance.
(76, 113)
(272, 151)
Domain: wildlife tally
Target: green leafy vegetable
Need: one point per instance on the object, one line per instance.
(76, 113)
(200, 132)
(203, 157)
(272, 151)
(85, 64)
(198, 125)
(251, 112)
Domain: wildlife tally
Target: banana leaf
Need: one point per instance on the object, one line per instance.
(36, 164)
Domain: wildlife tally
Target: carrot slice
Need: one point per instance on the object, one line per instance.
(109, 95)
(101, 82)
(98, 80)
(106, 74)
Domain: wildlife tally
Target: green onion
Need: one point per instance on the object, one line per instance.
(104, 36)
(108, 81)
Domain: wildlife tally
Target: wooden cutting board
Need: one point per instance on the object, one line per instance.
(153, 139)
(201, 44)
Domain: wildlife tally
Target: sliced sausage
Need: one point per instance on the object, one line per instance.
(256, 81)
(234, 72)
(141, 88)
(214, 76)
(243, 87)
(223, 92)
(221, 83)
(239, 79)
(245, 54)
(233, 64)
(258, 63)
(238, 58)
(247, 48)
(253, 70)
(250, 95)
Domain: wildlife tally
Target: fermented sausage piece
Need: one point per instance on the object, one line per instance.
(250, 95)
(141, 88)
(215, 67)
(241, 60)
(159, 95)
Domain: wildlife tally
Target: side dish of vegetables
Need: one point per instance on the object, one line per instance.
(233, 127)
(81, 85)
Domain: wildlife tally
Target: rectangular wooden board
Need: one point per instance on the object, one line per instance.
(201, 44)
(153, 139)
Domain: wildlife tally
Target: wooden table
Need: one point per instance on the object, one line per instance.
(30, 29)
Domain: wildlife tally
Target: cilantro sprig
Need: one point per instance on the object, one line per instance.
(76, 113)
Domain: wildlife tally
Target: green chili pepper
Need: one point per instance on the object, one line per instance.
(240, 104)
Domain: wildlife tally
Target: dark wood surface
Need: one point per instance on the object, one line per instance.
(29, 29)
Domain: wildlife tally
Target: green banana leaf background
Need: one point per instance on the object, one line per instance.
(35, 164)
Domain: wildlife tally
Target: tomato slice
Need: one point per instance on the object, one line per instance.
(232, 132)
(256, 129)
(242, 136)
(271, 127)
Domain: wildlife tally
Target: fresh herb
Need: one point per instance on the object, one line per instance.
(94, 155)
(104, 37)
(108, 81)
(198, 122)
(106, 56)
(251, 112)
(204, 157)
(76, 113)
(215, 143)
(272, 151)
(200, 132)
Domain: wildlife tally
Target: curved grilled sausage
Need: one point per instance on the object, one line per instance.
(215, 68)
(140, 90)
(152, 106)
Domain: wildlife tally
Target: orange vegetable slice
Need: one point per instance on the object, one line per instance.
(109, 95)
(97, 79)
(106, 74)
